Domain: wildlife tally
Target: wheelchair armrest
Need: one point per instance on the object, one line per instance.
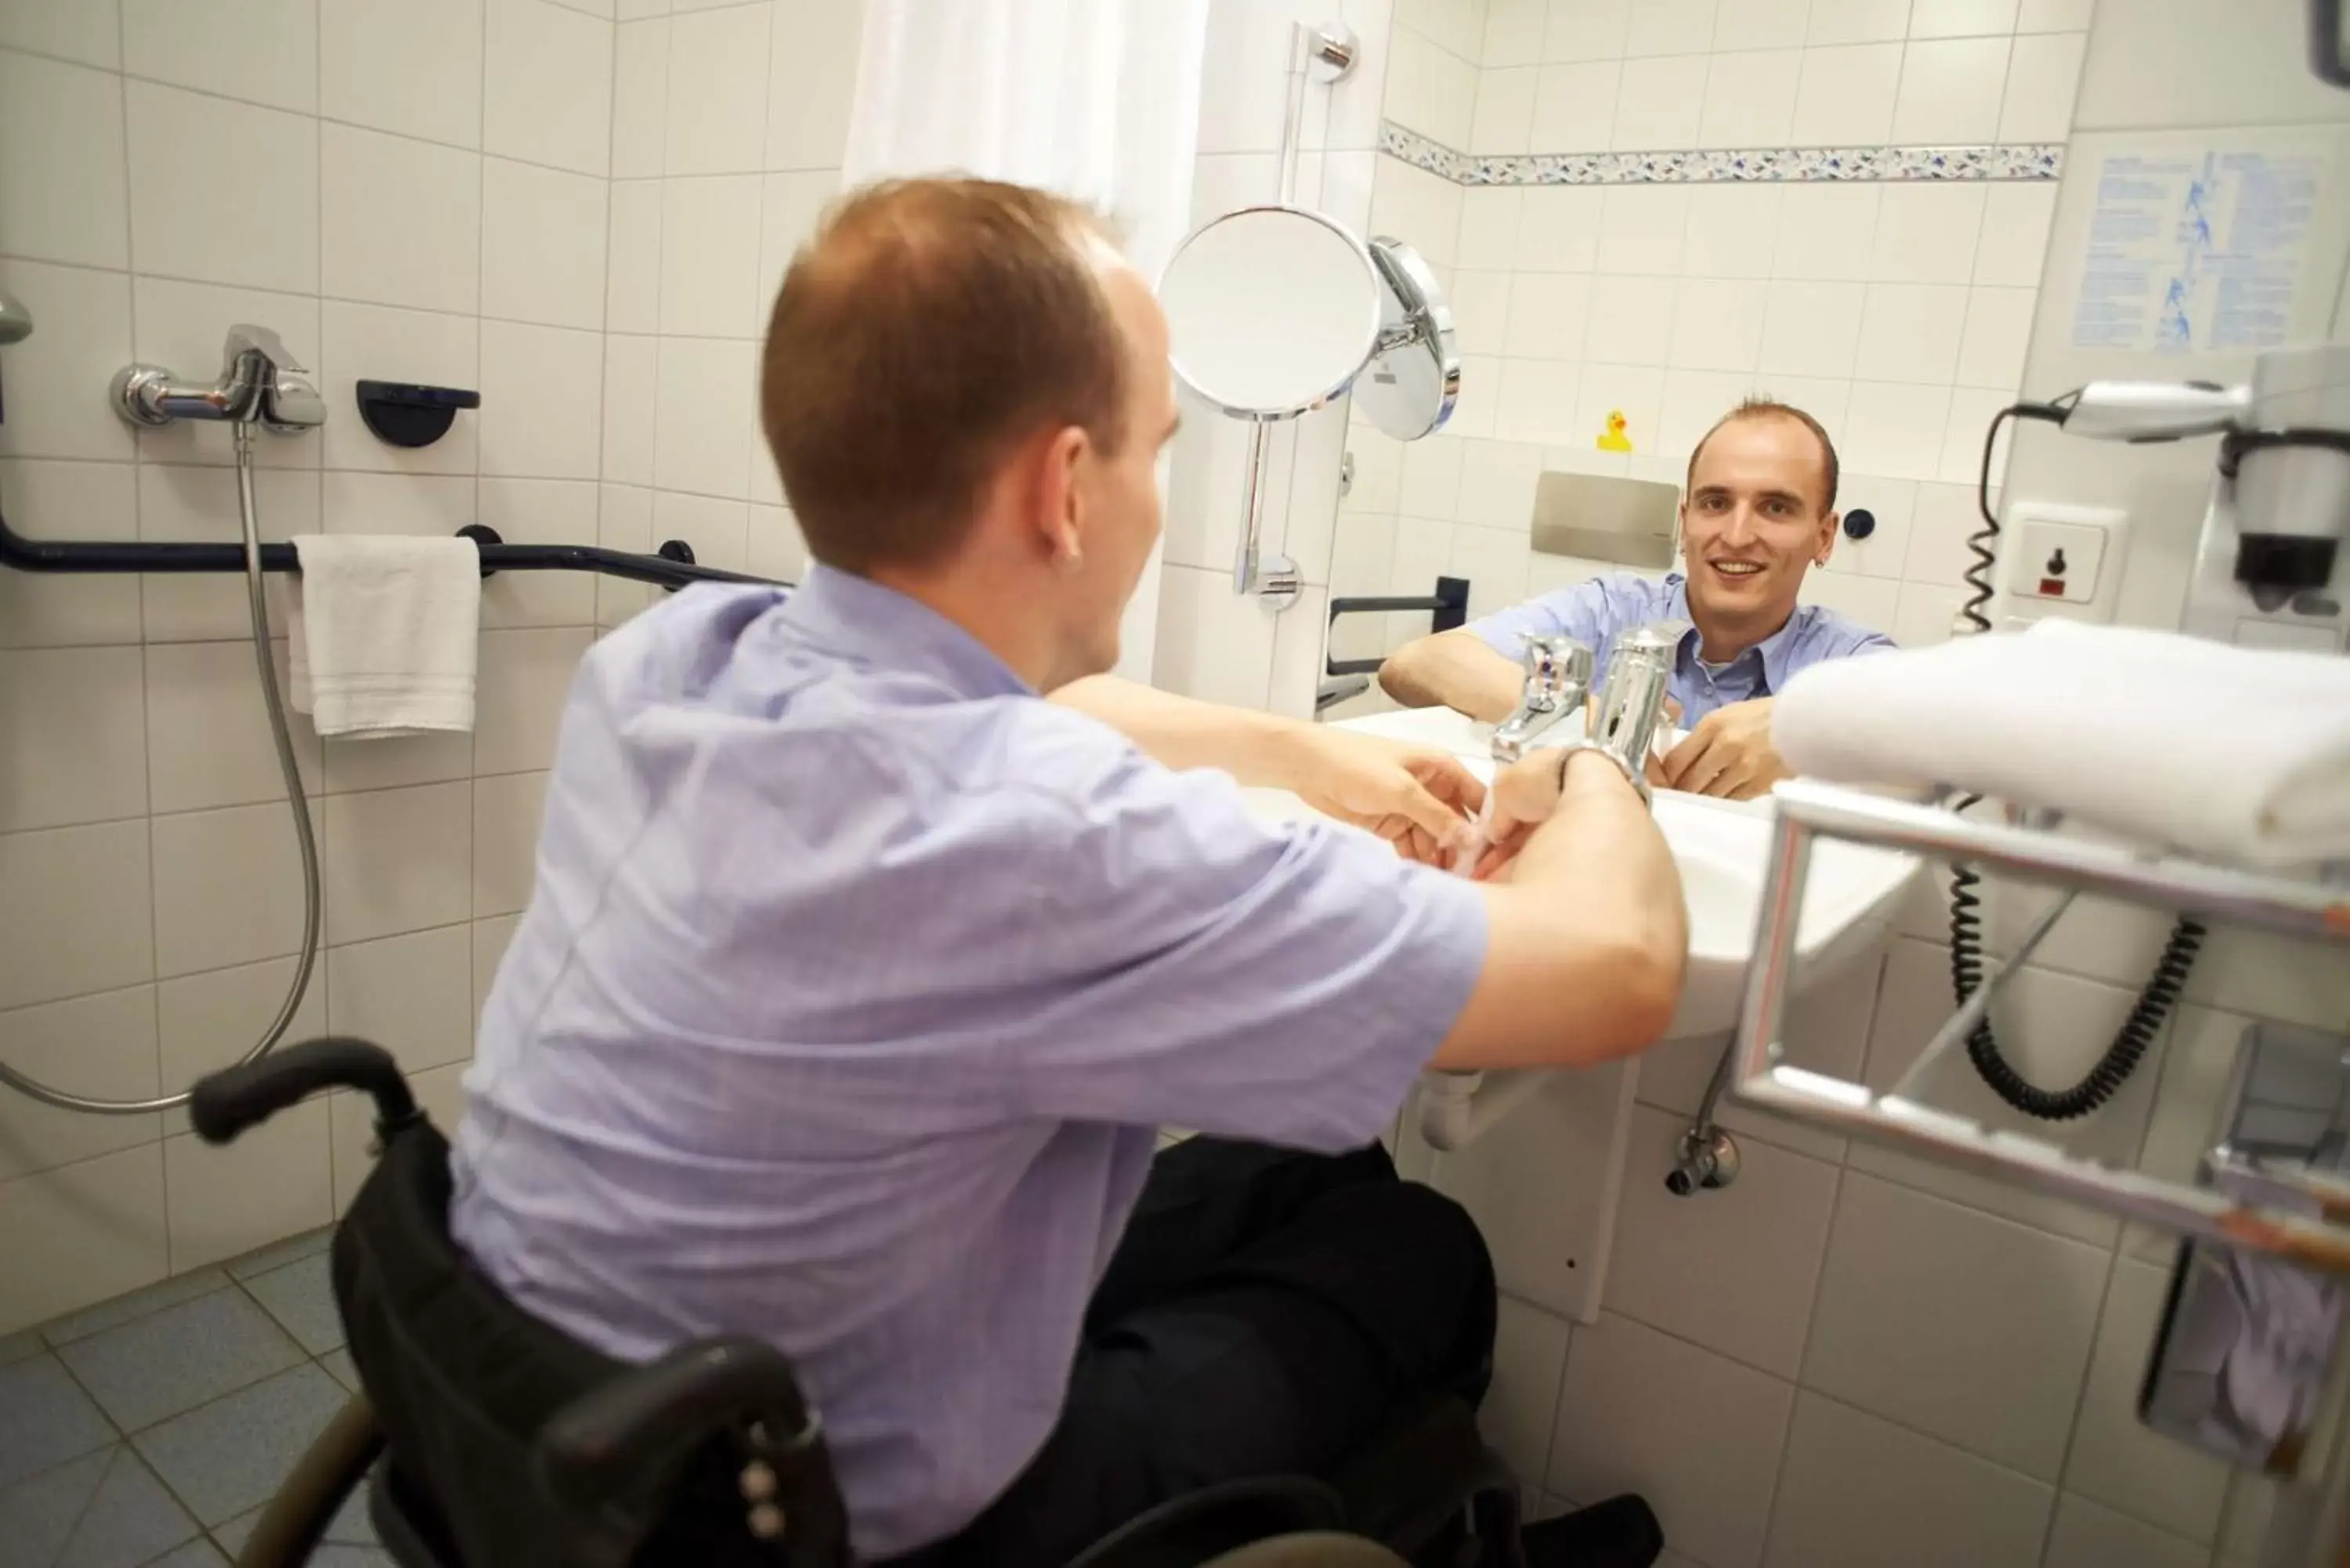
(225, 1103)
(651, 1418)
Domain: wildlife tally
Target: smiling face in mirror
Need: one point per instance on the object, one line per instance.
(1758, 512)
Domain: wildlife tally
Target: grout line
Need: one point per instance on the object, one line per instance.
(2080, 1410)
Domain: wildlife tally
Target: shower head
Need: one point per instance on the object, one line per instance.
(16, 321)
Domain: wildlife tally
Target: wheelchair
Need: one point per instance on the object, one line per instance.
(488, 1439)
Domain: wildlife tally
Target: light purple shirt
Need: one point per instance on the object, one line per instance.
(855, 984)
(1594, 612)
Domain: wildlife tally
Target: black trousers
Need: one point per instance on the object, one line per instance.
(1267, 1312)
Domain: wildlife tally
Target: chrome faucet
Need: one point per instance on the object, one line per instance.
(1640, 671)
(1558, 677)
(260, 383)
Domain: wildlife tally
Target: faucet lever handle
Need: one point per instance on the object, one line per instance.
(245, 338)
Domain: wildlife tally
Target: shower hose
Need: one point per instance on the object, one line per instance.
(257, 605)
(2155, 999)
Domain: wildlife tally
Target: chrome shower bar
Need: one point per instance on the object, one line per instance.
(672, 566)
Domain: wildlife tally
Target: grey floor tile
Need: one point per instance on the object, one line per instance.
(44, 1418)
(352, 1557)
(196, 1553)
(339, 1366)
(232, 1535)
(277, 1255)
(132, 1519)
(351, 1526)
(227, 1457)
(176, 1359)
(37, 1515)
(134, 1307)
(302, 1298)
(16, 1347)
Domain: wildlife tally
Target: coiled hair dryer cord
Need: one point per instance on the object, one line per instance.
(2155, 999)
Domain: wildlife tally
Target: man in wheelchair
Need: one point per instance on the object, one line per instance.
(876, 933)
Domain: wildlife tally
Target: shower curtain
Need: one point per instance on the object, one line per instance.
(1096, 98)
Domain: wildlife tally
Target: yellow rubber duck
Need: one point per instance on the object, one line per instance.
(1612, 438)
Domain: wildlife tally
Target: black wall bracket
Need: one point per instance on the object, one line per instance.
(408, 415)
(1448, 610)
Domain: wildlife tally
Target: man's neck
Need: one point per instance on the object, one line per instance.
(1720, 641)
(992, 616)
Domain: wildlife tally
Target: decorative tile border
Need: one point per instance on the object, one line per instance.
(2014, 161)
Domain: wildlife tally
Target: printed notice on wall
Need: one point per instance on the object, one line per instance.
(2197, 250)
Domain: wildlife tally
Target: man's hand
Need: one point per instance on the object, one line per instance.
(1418, 800)
(1728, 755)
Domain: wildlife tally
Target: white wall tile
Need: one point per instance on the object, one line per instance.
(412, 994)
(1947, 517)
(1694, 402)
(543, 237)
(1475, 410)
(1927, 233)
(1892, 503)
(397, 860)
(1505, 109)
(1536, 401)
(1659, 102)
(2055, 16)
(546, 77)
(710, 257)
(1998, 331)
(81, 1234)
(1497, 484)
(90, 34)
(1513, 33)
(2042, 75)
(1811, 328)
(1586, 30)
(82, 920)
(1972, 1328)
(1631, 321)
(1950, 91)
(1925, 614)
(1429, 88)
(810, 79)
(1574, 106)
(1873, 602)
(1643, 229)
(1557, 229)
(1418, 207)
(2276, 977)
(491, 940)
(2116, 1459)
(1636, 391)
(101, 1046)
(84, 339)
(1624, 1426)
(1718, 324)
(2014, 238)
(1548, 314)
(539, 512)
(1896, 430)
(2088, 1536)
(1211, 644)
(1749, 99)
(1961, 19)
(640, 99)
(1493, 561)
(776, 548)
(1670, 28)
(789, 210)
(271, 1183)
(1858, 1492)
(718, 71)
(73, 743)
(1457, 25)
(228, 888)
(184, 325)
(1911, 332)
(1846, 94)
(392, 761)
(1732, 231)
(1431, 478)
(1827, 231)
(251, 220)
(542, 401)
(383, 345)
(1858, 21)
(78, 500)
(524, 677)
(624, 521)
(1770, 1235)
(632, 284)
(197, 503)
(1481, 310)
(1972, 410)
(413, 504)
(506, 815)
(1489, 226)
(717, 529)
(1762, 25)
(63, 195)
(378, 67)
(208, 736)
(702, 432)
(401, 220)
(1529, 1358)
(264, 51)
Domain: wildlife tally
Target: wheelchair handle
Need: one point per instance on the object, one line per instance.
(650, 1417)
(226, 1103)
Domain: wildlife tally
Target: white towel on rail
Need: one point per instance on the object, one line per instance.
(384, 632)
(2235, 753)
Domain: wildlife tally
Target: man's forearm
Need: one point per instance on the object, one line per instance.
(1255, 748)
(1452, 670)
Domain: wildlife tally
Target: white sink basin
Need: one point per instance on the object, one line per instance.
(1720, 847)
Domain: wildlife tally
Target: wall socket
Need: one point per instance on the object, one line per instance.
(2052, 554)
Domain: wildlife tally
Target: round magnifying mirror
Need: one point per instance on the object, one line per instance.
(1270, 311)
(1414, 377)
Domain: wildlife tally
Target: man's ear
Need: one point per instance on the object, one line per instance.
(1829, 529)
(1058, 510)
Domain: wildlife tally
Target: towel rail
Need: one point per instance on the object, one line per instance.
(672, 566)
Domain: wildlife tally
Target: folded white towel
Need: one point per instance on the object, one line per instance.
(2232, 752)
(384, 633)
